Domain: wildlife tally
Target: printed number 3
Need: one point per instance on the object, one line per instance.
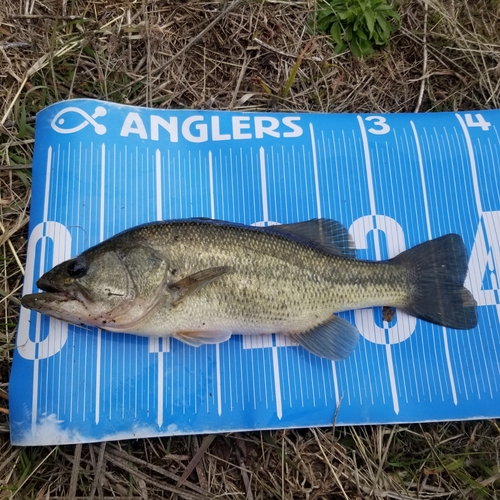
(380, 123)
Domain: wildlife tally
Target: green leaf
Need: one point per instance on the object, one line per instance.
(89, 51)
(325, 14)
(386, 27)
(361, 47)
(363, 24)
(384, 7)
(325, 7)
(362, 35)
(378, 37)
(323, 24)
(340, 48)
(321, 15)
(366, 47)
(356, 49)
(25, 177)
(352, 15)
(336, 33)
(333, 4)
(455, 464)
(22, 121)
(348, 34)
(397, 18)
(370, 20)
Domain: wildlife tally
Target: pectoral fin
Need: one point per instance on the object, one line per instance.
(335, 339)
(198, 338)
(194, 282)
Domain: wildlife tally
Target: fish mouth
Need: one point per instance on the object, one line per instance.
(54, 300)
(53, 293)
(36, 301)
(46, 286)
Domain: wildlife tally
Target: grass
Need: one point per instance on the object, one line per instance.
(241, 55)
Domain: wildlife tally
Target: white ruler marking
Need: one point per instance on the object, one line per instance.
(34, 399)
(219, 388)
(155, 341)
(211, 180)
(424, 193)
(477, 195)
(277, 383)
(47, 185)
(158, 180)
(160, 388)
(99, 332)
(315, 166)
(371, 194)
(265, 211)
(217, 346)
(429, 235)
(263, 181)
(449, 366)
(392, 378)
(472, 159)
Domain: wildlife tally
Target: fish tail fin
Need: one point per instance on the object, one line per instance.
(439, 268)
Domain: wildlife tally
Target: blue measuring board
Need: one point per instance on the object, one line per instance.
(393, 180)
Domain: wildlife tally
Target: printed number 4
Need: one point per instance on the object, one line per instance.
(480, 121)
(380, 126)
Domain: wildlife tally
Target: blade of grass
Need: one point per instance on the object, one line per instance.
(295, 68)
(207, 441)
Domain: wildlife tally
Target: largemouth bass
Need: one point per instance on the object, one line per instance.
(200, 280)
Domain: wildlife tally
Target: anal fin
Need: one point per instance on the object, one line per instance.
(335, 339)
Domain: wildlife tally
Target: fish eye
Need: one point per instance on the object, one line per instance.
(76, 268)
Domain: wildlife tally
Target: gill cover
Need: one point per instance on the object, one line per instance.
(107, 284)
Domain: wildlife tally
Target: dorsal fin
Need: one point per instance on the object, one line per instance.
(327, 234)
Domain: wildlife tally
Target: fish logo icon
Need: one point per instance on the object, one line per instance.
(64, 126)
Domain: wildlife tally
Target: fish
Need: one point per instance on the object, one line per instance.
(201, 280)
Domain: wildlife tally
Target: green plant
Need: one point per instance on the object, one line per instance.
(359, 24)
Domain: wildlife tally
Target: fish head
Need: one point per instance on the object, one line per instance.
(108, 286)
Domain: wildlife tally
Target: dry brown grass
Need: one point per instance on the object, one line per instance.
(239, 54)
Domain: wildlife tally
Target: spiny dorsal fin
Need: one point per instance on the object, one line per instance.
(327, 234)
